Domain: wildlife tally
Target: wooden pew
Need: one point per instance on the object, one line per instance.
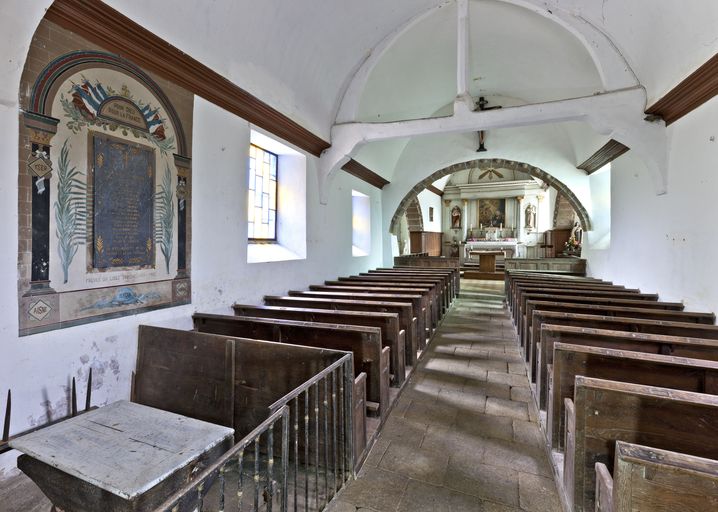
(644, 367)
(615, 306)
(656, 480)
(585, 289)
(512, 280)
(606, 311)
(442, 282)
(435, 284)
(237, 381)
(455, 273)
(430, 314)
(416, 302)
(585, 330)
(446, 276)
(391, 335)
(430, 288)
(521, 287)
(403, 309)
(604, 412)
(680, 338)
(363, 342)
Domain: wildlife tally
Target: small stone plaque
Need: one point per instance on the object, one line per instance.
(123, 111)
(123, 200)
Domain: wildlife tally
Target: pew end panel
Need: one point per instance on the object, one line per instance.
(661, 480)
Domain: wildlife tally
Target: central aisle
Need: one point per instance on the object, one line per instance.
(462, 436)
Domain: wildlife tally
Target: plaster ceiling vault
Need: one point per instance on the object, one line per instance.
(331, 65)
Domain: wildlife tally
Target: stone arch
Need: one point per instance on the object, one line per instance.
(414, 218)
(486, 163)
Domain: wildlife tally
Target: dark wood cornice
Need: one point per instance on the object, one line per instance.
(432, 188)
(365, 174)
(106, 27)
(691, 93)
(608, 153)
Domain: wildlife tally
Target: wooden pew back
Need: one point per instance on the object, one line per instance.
(609, 411)
(569, 361)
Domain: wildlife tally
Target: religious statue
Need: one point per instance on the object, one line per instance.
(530, 217)
(577, 232)
(455, 217)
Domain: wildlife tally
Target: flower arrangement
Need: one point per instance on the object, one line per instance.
(573, 245)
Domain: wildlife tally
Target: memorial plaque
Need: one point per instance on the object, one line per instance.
(123, 193)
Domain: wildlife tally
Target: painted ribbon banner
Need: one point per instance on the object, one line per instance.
(124, 182)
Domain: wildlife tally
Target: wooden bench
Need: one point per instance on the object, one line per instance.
(605, 311)
(391, 335)
(512, 279)
(430, 288)
(655, 480)
(590, 297)
(676, 343)
(522, 287)
(454, 268)
(453, 277)
(416, 302)
(644, 367)
(407, 322)
(444, 284)
(426, 306)
(363, 342)
(437, 309)
(539, 284)
(604, 412)
(436, 285)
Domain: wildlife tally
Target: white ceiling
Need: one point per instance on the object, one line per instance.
(300, 56)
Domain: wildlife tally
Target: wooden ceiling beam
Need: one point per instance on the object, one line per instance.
(699, 87)
(432, 188)
(607, 154)
(364, 173)
(115, 32)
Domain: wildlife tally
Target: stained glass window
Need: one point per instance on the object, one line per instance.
(262, 200)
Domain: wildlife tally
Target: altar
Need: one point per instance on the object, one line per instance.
(507, 245)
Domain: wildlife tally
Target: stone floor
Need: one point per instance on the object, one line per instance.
(462, 436)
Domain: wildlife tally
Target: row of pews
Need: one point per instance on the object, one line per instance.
(627, 392)
(334, 356)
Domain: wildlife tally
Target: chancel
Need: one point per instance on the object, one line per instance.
(419, 255)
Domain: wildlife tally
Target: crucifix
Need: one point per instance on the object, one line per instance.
(482, 104)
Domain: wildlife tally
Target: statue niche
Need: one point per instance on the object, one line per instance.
(456, 218)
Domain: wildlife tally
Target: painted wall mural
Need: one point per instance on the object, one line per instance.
(118, 184)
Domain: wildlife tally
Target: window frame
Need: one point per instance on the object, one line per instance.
(274, 240)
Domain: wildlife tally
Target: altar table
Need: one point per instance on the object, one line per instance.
(121, 457)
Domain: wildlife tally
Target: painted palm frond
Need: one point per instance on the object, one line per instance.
(165, 214)
(70, 211)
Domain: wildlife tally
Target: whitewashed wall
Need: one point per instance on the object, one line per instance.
(428, 200)
(667, 244)
(38, 368)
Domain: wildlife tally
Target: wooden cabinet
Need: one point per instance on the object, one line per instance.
(426, 241)
(555, 242)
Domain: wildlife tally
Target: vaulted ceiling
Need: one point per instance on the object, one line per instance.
(301, 57)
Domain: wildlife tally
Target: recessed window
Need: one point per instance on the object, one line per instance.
(262, 200)
(361, 224)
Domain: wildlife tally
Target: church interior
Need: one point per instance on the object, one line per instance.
(418, 255)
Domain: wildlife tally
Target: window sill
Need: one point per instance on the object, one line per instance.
(269, 252)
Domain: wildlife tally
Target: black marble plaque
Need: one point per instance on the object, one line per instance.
(123, 193)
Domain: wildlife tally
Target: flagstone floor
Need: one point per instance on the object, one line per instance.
(464, 434)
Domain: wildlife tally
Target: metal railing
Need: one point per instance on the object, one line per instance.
(311, 463)
(249, 459)
(321, 439)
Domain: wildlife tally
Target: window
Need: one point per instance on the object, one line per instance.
(361, 224)
(277, 227)
(262, 200)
